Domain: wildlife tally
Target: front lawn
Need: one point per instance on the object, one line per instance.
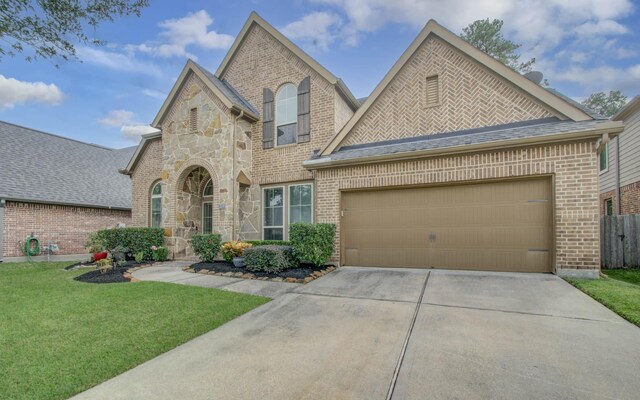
(620, 292)
(59, 337)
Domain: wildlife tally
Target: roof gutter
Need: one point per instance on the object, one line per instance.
(609, 128)
(4, 199)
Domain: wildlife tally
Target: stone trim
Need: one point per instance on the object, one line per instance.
(578, 273)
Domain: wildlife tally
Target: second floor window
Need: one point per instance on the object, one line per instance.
(286, 114)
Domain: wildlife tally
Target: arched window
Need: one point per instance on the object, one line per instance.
(286, 114)
(207, 208)
(156, 205)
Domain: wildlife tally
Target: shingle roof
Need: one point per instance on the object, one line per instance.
(228, 90)
(41, 167)
(547, 126)
(574, 103)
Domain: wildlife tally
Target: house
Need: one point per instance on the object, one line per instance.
(59, 190)
(453, 161)
(620, 165)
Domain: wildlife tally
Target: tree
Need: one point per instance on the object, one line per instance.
(606, 105)
(52, 28)
(487, 36)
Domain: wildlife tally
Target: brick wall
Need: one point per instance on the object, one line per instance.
(67, 226)
(573, 167)
(470, 96)
(263, 62)
(146, 173)
(630, 195)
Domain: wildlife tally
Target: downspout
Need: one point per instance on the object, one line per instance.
(618, 199)
(233, 177)
(2, 204)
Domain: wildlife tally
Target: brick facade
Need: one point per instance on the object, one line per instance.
(147, 172)
(573, 167)
(67, 226)
(630, 199)
(263, 62)
(470, 96)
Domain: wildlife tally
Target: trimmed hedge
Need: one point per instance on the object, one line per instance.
(312, 242)
(270, 258)
(207, 246)
(135, 240)
(255, 243)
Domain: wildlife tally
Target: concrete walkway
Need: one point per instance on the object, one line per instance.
(365, 333)
(172, 272)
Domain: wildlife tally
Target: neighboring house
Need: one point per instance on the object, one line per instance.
(453, 161)
(59, 190)
(620, 176)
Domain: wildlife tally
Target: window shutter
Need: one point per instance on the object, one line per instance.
(267, 118)
(304, 110)
(433, 97)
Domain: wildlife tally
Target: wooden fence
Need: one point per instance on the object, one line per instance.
(620, 251)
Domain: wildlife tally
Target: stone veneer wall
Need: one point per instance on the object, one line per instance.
(470, 97)
(211, 146)
(146, 173)
(572, 165)
(67, 226)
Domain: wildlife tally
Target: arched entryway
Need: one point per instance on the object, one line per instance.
(194, 208)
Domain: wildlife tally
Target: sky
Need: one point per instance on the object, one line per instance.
(115, 91)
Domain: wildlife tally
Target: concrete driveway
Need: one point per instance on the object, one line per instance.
(364, 333)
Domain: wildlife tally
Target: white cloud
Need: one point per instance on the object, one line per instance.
(316, 30)
(116, 61)
(129, 128)
(601, 78)
(156, 94)
(117, 118)
(178, 34)
(133, 132)
(13, 92)
(538, 24)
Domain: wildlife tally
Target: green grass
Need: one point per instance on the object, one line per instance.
(59, 337)
(620, 292)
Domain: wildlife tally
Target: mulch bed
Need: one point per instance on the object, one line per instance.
(303, 274)
(114, 275)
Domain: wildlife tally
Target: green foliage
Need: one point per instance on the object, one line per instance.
(312, 242)
(139, 256)
(270, 258)
(104, 265)
(207, 246)
(606, 105)
(229, 257)
(159, 253)
(135, 240)
(52, 28)
(487, 36)
(94, 243)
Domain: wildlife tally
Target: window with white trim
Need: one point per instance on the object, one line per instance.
(276, 217)
(604, 158)
(207, 208)
(273, 213)
(156, 205)
(286, 114)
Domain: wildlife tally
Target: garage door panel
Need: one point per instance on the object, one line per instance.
(492, 226)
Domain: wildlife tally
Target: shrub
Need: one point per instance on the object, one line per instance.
(234, 248)
(268, 242)
(312, 242)
(159, 253)
(139, 256)
(270, 258)
(207, 246)
(104, 265)
(134, 239)
(94, 243)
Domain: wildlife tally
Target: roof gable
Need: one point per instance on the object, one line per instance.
(558, 107)
(255, 19)
(221, 89)
(628, 109)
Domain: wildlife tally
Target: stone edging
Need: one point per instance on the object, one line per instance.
(248, 275)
